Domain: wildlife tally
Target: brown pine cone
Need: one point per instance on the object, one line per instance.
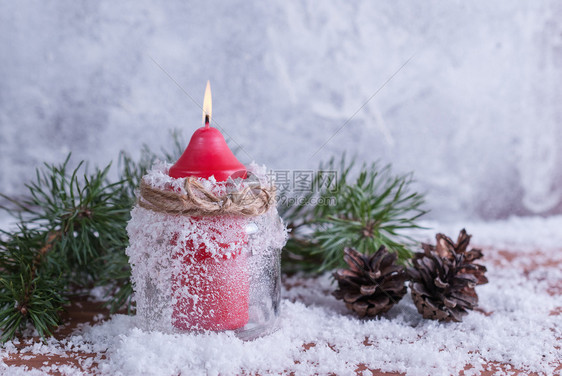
(443, 278)
(372, 284)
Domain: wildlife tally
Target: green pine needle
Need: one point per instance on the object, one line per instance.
(32, 287)
(371, 211)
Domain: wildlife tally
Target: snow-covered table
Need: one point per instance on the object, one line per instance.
(517, 328)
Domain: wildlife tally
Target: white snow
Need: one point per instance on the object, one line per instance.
(513, 326)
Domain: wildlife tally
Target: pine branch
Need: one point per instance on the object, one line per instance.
(372, 211)
(80, 219)
(32, 286)
(72, 234)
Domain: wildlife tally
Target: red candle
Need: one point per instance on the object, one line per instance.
(211, 292)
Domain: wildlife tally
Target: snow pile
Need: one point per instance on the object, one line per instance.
(217, 273)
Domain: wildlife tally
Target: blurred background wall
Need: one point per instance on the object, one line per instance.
(476, 113)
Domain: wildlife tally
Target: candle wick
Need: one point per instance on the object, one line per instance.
(207, 121)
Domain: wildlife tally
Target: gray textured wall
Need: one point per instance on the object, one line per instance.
(475, 114)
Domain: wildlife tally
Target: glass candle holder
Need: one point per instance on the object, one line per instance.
(210, 273)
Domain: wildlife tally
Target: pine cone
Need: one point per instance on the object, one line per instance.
(443, 278)
(372, 284)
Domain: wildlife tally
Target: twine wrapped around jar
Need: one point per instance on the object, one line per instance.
(249, 201)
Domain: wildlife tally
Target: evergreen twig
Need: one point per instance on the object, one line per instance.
(32, 285)
(372, 210)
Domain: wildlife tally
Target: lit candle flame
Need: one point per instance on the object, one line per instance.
(207, 106)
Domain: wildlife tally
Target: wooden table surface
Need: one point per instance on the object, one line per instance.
(83, 311)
